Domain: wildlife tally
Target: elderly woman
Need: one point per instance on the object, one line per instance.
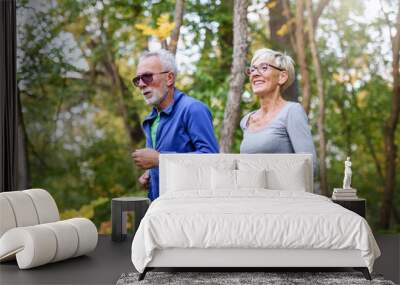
(278, 126)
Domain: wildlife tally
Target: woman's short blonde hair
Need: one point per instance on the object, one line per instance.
(281, 60)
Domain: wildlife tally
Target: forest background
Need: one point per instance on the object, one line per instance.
(80, 116)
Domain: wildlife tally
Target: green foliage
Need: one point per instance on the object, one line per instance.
(78, 147)
(72, 54)
(86, 211)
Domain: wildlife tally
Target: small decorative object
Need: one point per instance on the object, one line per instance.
(347, 174)
(347, 192)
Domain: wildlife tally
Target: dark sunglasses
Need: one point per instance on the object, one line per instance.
(261, 69)
(147, 78)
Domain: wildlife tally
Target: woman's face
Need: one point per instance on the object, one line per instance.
(265, 76)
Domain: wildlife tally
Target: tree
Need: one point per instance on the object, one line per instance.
(391, 125)
(179, 11)
(71, 111)
(240, 45)
(24, 179)
(301, 54)
(281, 37)
(295, 28)
(321, 96)
(82, 115)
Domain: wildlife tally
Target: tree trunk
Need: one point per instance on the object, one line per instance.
(134, 132)
(321, 97)
(320, 8)
(179, 11)
(390, 132)
(240, 45)
(225, 37)
(277, 19)
(23, 180)
(301, 55)
(119, 88)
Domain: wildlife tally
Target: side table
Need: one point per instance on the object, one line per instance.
(356, 205)
(119, 208)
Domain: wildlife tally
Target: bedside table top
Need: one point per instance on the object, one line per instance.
(353, 199)
(130, 199)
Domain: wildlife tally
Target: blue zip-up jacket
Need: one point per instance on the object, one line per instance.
(185, 126)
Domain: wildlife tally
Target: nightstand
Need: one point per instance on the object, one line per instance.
(356, 205)
(119, 208)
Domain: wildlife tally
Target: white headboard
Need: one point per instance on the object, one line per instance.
(282, 162)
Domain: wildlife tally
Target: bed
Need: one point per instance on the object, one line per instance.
(247, 210)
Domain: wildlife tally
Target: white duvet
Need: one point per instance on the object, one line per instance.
(250, 219)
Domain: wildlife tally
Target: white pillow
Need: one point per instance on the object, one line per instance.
(182, 177)
(293, 180)
(193, 175)
(223, 179)
(251, 178)
(281, 175)
(226, 179)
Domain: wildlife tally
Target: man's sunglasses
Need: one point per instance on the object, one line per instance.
(147, 78)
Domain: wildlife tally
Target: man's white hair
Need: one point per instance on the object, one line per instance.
(281, 60)
(166, 57)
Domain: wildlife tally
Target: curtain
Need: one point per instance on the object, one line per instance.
(8, 98)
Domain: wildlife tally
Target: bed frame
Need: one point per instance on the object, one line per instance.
(242, 258)
(261, 258)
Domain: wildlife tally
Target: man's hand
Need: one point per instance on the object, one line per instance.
(144, 179)
(146, 158)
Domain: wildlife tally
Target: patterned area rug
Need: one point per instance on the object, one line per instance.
(230, 278)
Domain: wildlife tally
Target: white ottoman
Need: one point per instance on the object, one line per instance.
(31, 232)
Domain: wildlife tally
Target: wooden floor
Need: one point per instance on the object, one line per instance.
(111, 259)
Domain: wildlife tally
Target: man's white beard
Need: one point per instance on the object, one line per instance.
(157, 97)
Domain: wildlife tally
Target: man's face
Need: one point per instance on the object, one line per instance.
(155, 91)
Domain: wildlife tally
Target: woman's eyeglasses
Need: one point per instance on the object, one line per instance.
(147, 78)
(261, 69)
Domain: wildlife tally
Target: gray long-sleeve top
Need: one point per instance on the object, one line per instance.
(288, 132)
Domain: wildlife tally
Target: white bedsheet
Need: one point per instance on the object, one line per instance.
(250, 218)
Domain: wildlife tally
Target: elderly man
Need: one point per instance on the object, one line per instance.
(177, 122)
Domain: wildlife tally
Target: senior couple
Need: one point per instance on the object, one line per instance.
(179, 123)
